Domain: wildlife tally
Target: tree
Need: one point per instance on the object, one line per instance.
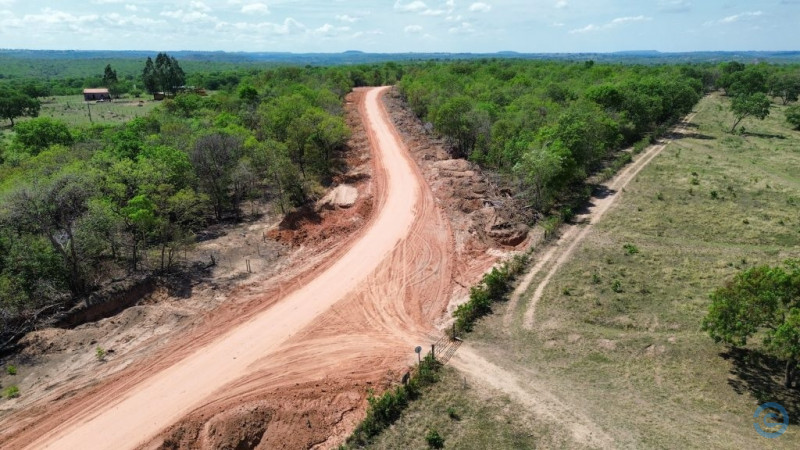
(786, 86)
(756, 105)
(149, 77)
(763, 300)
(110, 80)
(38, 134)
(539, 169)
(15, 104)
(165, 75)
(53, 209)
(214, 156)
(793, 116)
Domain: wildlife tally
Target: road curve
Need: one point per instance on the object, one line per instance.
(147, 408)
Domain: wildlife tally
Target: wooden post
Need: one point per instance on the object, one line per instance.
(89, 108)
(433, 351)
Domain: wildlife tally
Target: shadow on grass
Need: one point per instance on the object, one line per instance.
(764, 135)
(762, 376)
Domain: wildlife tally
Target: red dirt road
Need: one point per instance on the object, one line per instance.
(360, 316)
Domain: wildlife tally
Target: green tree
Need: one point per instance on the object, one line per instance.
(37, 134)
(53, 209)
(763, 300)
(110, 81)
(15, 104)
(746, 105)
(149, 77)
(786, 86)
(793, 116)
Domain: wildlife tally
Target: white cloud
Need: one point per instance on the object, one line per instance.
(744, 15)
(433, 12)
(255, 8)
(289, 26)
(413, 29)
(464, 28)
(458, 18)
(199, 6)
(346, 18)
(480, 7)
(188, 16)
(329, 30)
(131, 7)
(613, 24)
(562, 4)
(415, 6)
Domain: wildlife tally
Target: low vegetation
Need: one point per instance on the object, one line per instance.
(618, 333)
(384, 410)
(493, 288)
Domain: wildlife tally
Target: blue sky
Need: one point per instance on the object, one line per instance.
(402, 25)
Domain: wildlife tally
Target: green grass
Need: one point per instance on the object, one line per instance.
(72, 110)
(467, 418)
(626, 344)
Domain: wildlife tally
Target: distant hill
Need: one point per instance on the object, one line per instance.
(75, 63)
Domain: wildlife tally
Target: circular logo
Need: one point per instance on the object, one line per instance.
(778, 420)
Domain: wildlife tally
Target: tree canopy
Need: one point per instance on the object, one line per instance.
(165, 75)
(763, 300)
(14, 104)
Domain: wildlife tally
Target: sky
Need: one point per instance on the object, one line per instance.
(391, 26)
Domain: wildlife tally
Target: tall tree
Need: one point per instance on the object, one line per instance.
(149, 76)
(110, 80)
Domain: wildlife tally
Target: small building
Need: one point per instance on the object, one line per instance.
(96, 94)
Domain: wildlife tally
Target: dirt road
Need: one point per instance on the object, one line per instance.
(357, 316)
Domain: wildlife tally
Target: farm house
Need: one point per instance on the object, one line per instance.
(96, 94)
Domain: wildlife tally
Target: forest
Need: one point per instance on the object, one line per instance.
(83, 205)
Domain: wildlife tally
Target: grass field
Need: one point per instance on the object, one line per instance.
(617, 333)
(74, 111)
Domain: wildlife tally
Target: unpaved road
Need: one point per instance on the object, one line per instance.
(386, 289)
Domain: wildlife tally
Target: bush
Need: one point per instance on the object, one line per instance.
(386, 409)
(453, 414)
(11, 370)
(493, 287)
(616, 286)
(434, 440)
(11, 392)
(793, 116)
(100, 353)
(630, 249)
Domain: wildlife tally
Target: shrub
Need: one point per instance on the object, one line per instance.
(453, 414)
(493, 287)
(100, 353)
(434, 440)
(11, 392)
(11, 370)
(616, 286)
(630, 249)
(386, 409)
(714, 195)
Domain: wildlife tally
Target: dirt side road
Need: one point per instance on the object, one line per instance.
(354, 317)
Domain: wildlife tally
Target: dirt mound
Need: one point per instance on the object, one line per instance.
(342, 196)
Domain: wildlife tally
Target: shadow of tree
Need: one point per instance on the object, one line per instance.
(764, 135)
(762, 376)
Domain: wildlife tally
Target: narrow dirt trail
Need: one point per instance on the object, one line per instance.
(380, 295)
(536, 398)
(574, 235)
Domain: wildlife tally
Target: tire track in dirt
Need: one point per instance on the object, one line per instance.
(574, 235)
(356, 317)
(538, 399)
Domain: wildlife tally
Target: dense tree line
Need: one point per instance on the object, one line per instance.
(548, 124)
(79, 206)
